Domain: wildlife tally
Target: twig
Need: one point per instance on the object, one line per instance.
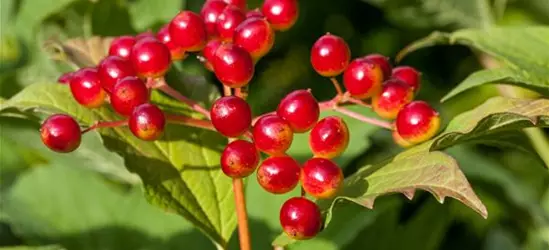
(188, 121)
(362, 118)
(98, 125)
(164, 87)
(241, 214)
(337, 86)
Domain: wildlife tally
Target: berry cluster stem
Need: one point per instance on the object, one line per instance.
(99, 124)
(239, 198)
(362, 118)
(164, 87)
(191, 122)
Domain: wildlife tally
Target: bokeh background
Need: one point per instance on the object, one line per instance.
(87, 200)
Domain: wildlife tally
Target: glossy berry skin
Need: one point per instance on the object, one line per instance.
(209, 53)
(127, 94)
(150, 58)
(329, 137)
(210, 13)
(147, 122)
(330, 55)
(61, 133)
(65, 78)
(383, 63)
(86, 88)
(256, 36)
(113, 68)
(321, 178)
(143, 35)
(231, 116)
(363, 78)
(300, 218)
(122, 46)
(255, 13)
(188, 30)
(393, 96)
(408, 75)
(417, 122)
(239, 159)
(233, 66)
(238, 3)
(400, 141)
(282, 14)
(278, 174)
(300, 109)
(272, 135)
(227, 22)
(176, 52)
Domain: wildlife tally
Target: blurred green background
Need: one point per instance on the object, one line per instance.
(87, 200)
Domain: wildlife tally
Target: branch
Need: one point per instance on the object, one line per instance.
(189, 121)
(164, 87)
(98, 125)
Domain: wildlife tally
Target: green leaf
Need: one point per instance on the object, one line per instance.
(437, 13)
(522, 50)
(146, 13)
(495, 116)
(32, 13)
(32, 248)
(435, 172)
(180, 172)
(77, 209)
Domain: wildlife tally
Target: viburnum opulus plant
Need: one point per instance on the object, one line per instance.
(230, 40)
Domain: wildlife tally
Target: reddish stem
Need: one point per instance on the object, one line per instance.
(362, 118)
(164, 87)
(241, 214)
(189, 121)
(98, 125)
(337, 86)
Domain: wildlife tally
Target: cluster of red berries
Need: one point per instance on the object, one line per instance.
(230, 37)
(391, 90)
(272, 134)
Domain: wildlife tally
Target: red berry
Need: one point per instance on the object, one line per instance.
(227, 22)
(238, 3)
(383, 62)
(392, 97)
(239, 159)
(143, 35)
(400, 141)
(86, 88)
(408, 75)
(231, 116)
(65, 78)
(272, 135)
(417, 122)
(300, 218)
(113, 68)
(233, 66)
(177, 53)
(61, 133)
(127, 94)
(255, 13)
(363, 78)
(300, 109)
(278, 174)
(122, 46)
(150, 58)
(188, 31)
(329, 137)
(256, 36)
(209, 53)
(282, 14)
(330, 55)
(321, 178)
(210, 13)
(147, 122)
